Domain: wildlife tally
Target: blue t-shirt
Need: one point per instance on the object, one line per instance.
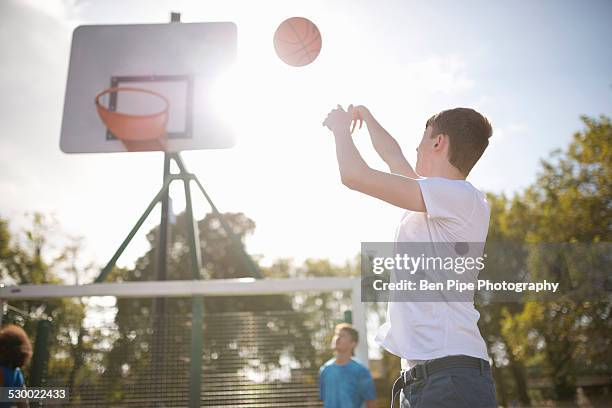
(345, 386)
(12, 378)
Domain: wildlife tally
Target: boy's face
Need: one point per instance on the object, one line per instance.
(343, 342)
(425, 153)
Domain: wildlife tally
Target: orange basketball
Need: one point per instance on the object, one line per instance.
(297, 41)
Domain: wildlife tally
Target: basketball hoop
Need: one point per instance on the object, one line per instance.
(137, 132)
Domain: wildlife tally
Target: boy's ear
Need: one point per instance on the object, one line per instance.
(439, 140)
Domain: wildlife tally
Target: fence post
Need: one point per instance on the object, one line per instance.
(40, 359)
(358, 317)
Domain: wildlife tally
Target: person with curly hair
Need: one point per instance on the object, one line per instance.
(15, 353)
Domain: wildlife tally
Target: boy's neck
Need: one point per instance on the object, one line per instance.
(446, 170)
(343, 358)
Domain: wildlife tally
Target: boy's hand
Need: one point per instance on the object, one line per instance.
(358, 113)
(338, 119)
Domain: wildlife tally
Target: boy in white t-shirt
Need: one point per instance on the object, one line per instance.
(444, 356)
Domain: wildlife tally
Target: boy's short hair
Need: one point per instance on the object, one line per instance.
(15, 347)
(349, 329)
(468, 132)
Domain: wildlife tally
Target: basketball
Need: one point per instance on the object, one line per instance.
(297, 41)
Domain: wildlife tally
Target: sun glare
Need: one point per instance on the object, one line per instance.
(224, 97)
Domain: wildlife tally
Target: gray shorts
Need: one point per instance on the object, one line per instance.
(451, 388)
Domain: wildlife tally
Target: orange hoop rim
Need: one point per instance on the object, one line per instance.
(118, 89)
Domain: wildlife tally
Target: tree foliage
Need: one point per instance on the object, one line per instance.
(28, 258)
(569, 203)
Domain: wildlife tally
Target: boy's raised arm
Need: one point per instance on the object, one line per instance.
(401, 191)
(385, 145)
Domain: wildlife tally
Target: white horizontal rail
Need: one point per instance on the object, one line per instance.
(181, 288)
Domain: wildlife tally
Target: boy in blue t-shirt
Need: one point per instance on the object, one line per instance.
(344, 382)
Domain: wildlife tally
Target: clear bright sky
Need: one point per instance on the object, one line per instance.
(531, 67)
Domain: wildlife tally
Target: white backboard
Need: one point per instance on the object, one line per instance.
(179, 60)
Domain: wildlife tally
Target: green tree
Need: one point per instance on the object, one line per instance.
(570, 202)
(130, 359)
(30, 258)
(507, 229)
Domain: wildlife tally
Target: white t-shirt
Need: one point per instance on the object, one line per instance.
(417, 331)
